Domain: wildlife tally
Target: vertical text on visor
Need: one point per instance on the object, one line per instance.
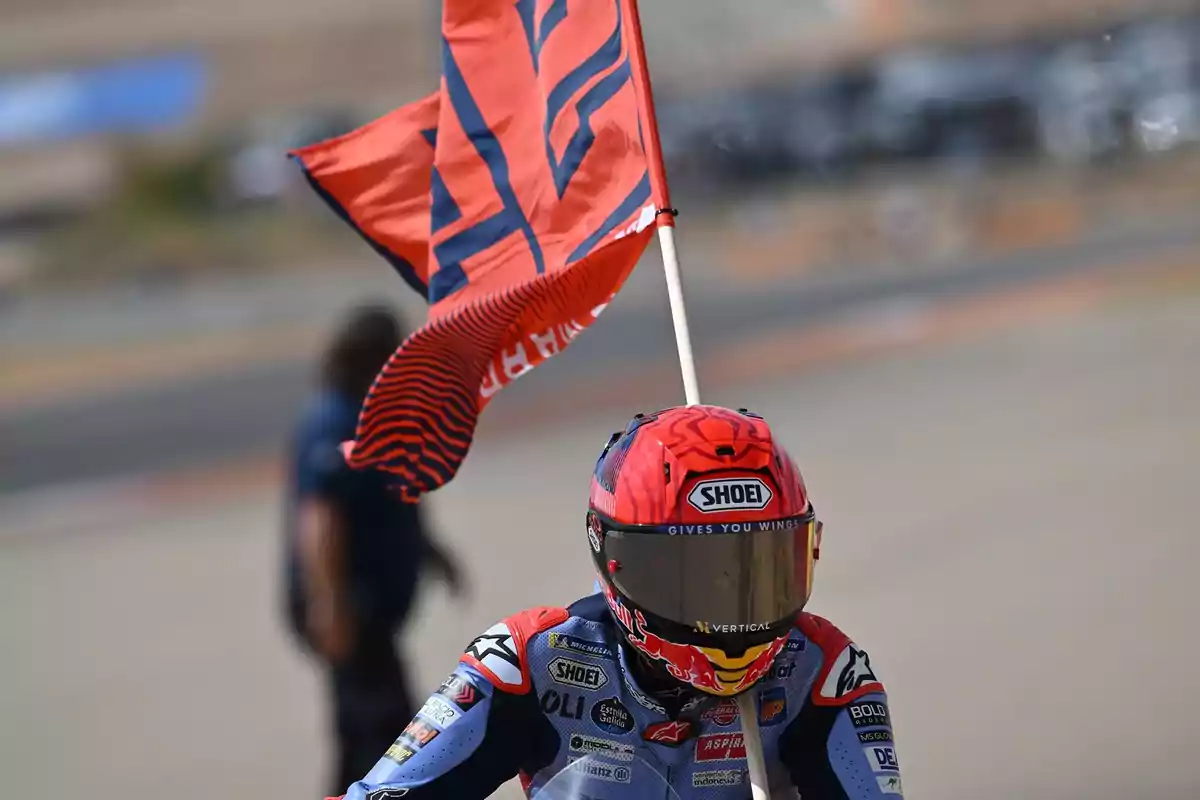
(726, 582)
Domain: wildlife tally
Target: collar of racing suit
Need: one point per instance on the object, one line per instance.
(653, 679)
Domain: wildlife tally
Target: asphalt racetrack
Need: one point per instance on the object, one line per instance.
(1011, 533)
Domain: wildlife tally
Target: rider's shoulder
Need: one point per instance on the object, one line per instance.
(500, 654)
(846, 673)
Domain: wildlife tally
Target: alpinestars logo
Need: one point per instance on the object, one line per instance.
(850, 672)
(493, 651)
(673, 733)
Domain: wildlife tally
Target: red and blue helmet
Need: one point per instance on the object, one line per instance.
(704, 538)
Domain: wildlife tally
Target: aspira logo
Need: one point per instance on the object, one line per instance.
(730, 494)
(574, 673)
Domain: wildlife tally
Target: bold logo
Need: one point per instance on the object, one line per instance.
(399, 753)
(460, 691)
(866, 737)
(420, 732)
(673, 733)
(590, 744)
(720, 747)
(565, 705)
(869, 715)
(851, 671)
(584, 647)
(723, 713)
(616, 773)
(493, 651)
(889, 784)
(386, 794)
(772, 706)
(575, 673)
(882, 758)
(730, 494)
(612, 716)
(720, 777)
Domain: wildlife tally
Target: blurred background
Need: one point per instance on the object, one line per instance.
(948, 247)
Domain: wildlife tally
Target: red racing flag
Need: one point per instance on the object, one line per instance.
(517, 199)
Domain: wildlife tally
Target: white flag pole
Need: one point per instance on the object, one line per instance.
(665, 222)
(752, 740)
(683, 339)
(747, 708)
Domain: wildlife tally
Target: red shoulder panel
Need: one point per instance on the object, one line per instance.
(846, 673)
(499, 652)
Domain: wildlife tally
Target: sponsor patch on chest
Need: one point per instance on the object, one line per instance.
(570, 672)
(589, 745)
(718, 777)
(611, 715)
(720, 747)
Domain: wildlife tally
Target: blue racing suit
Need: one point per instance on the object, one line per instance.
(548, 686)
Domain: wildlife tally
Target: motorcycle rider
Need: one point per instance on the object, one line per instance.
(704, 539)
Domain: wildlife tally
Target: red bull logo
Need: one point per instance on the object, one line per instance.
(691, 664)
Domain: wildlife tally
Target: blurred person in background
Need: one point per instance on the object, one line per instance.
(355, 553)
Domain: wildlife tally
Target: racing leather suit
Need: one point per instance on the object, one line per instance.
(550, 685)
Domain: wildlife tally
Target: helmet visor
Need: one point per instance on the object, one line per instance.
(744, 580)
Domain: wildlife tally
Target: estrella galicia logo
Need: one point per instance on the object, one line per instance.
(584, 647)
(612, 716)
